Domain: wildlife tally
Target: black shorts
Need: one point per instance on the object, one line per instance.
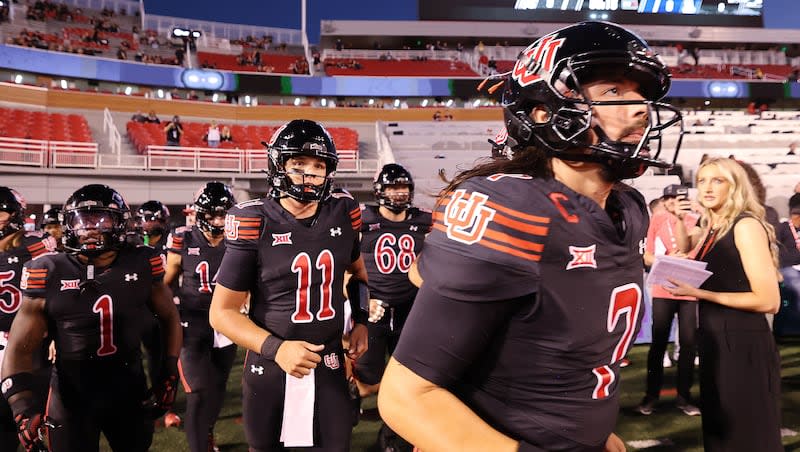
(263, 386)
(86, 400)
(205, 367)
(383, 337)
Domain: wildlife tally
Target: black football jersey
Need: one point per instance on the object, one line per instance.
(389, 248)
(507, 236)
(32, 245)
(295, 272)
(199, 266)
(98, 318)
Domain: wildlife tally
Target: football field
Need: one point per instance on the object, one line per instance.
(665, 430)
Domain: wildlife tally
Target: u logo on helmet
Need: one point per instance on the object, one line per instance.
(466, 216)
(538, 57)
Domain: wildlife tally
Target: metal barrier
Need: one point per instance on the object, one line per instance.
(21, 151)
(64, 154)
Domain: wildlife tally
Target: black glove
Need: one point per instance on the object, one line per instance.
(162, 394)
(30, 431)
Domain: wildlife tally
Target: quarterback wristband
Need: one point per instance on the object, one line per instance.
(269, 348)
(16, 383)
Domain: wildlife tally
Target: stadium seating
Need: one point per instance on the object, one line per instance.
(38, 125)
(143, 135)
(399, 68)
(281, 63)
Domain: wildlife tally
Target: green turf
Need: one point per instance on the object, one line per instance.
(666, 423)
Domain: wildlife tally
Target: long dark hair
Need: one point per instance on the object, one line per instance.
(530, 160)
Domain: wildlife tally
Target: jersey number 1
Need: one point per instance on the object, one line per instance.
(626, 300)
(302, 266)
(105, 307)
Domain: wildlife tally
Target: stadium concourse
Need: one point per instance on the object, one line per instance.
(87, 88)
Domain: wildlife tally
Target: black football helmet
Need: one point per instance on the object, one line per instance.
(94, 219)
(13, 203)
(296, 138)
(393, 174)
(560, 64)
(51, 217)
(212, 200)
(151, 218)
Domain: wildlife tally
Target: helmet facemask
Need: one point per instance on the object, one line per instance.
(91, 231)
(309, 190)
(205, 221)
(395, 202)
(571, 130)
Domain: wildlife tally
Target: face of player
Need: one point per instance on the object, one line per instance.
(216, 220)
(398, 193)
(713, 188)
(91, 225)
(619, 122)
(5, 218)
(306, 170)
(54, 230)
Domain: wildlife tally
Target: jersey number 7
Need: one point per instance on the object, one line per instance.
(626, 300)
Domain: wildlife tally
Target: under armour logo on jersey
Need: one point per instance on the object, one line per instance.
(13, 260)
(413, 228)
(193, 251)
(331, 360)
(282, 239)
(374, 226)
(336, 231)
(131, 276)
(466, 217)
(7, 383)
(641, 247)
(70, 284)
(256, 369)
(582, 256)
(185, 324)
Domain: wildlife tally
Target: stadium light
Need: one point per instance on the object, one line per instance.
(160, 93)
(184, 33)
(324, 102)
(18, 79)
(247, 100)
(64, 84)
(296, 101)
(372, 102)
(449, 102)
(424, 102)
(397, 103)
(215, 97)
(128, 90)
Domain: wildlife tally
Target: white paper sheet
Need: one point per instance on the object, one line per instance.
(220, 340)
(690, 271)
(297, 429)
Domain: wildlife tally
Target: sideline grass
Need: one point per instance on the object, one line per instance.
(666, 423)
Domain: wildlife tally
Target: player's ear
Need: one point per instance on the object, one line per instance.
(540, 114)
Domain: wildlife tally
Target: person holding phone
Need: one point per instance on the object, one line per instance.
(664, 238)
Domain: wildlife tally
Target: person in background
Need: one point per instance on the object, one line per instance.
(213, 135)
(662, 239)
(737, 349)
(174, 130)
(226, 135)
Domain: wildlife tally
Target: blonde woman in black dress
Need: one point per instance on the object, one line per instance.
(739, 361)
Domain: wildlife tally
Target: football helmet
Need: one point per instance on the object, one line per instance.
(393, 174)
(151, 218)
(551, 73)
(212, 200)
(51, 217)
(296, 138)
(94, 219)
(13, 203)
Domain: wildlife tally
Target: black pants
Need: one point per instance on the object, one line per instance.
(663, 311)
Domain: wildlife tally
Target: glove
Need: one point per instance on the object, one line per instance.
(162, 395)
(30, 431)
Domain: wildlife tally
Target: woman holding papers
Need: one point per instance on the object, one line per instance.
(739, 362)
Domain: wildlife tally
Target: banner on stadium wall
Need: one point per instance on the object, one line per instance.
(81, 67)
(67, 65)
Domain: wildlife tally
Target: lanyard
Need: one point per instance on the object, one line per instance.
(707, 244)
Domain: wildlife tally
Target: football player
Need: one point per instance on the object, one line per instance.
(392, 234)
(16, 248)
(90, 300)
(150, 226)
(532, 289)
(290, 252)
(51, 224)
(206, 357)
